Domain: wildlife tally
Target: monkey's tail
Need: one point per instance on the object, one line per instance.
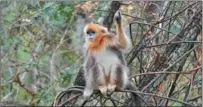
(135, 100)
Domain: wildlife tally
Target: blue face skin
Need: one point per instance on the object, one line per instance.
(91, 35)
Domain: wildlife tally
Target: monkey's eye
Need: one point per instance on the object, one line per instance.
(91, 32)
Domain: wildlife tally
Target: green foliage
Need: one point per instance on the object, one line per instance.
(10, 17)
(65, 11)
(22, 95)
(23, 55)
(29, 48)
(66, 76)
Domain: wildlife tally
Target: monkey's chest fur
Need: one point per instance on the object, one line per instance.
(106, 65)
(106, 59)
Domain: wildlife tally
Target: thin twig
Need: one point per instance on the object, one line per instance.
(135, 17)
(165, 70)
(186, 26)
(169, 43)
(153, 26)
(64, 103)
(31, 15)
(139, 47)
(153, 73)
(149, 94)
(195, 98)
(169, 18)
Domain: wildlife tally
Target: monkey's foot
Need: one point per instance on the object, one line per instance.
(103, 90)
(87, 93)
(111, 87)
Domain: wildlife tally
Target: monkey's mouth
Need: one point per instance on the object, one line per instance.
(90, 38)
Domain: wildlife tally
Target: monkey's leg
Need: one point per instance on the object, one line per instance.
(118, 77)
(89, 83)
(101, 81)
(113, 81)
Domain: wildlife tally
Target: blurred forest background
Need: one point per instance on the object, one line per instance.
(42, 48)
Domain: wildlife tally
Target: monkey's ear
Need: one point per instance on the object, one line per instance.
(103, 31)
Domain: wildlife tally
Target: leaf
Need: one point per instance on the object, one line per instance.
(10, 17)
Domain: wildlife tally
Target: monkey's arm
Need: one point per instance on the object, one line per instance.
(121, 41)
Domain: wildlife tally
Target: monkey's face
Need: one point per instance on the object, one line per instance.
(93, 30)
(91, 35)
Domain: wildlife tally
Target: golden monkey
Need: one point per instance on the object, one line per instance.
(105, 68)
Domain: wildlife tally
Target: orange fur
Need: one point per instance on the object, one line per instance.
(102, 39)
(99, 43)
(95, 27)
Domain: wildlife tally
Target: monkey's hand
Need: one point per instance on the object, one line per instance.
(118, 17)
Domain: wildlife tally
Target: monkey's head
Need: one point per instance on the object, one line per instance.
(94, 30)
(97, 37)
